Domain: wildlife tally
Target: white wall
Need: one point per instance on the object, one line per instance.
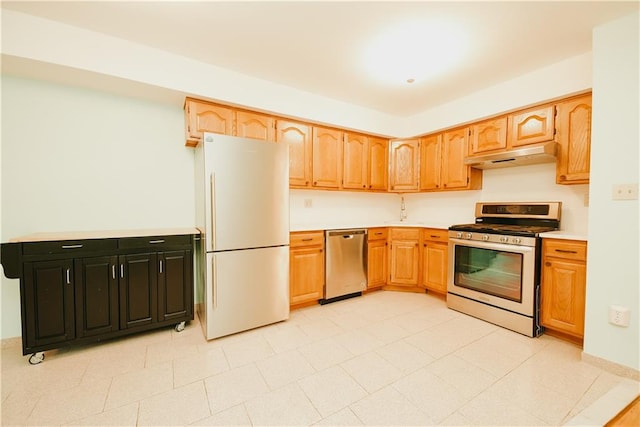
(521, 183)
(613, 256)
(74, 159)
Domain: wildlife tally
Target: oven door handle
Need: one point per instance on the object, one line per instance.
(492, 245)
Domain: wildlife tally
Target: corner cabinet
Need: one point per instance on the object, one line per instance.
(404, 156)
(404, 258)
(563, 286)
(90, 289)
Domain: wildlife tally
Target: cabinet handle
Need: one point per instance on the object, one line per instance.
(71, 246)
(160, 266)
(113, 271)
(566, 251)
(122, 271)
(547, 264)
(68, 276)
(307, 240)
(434, 236)
(151, 242)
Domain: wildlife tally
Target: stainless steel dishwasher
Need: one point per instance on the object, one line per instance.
(345, 264)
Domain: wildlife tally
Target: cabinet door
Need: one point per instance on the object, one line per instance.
(138, 290)
(256, 126)
(377, 263)
(175, 285)
(378, 163)
(574, 138)
(355, 164)
(327, 157)
(489, 136)
(306, 274)
(434, 266)
(531, 126)
(404, 262)
(405, 166)
(96, 295)
(204, 117)
(563, 295)
(48, 312)
(430, 162)
(455, 174)
(298, 137)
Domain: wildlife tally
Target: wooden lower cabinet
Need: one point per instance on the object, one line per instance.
(80, 291)
(377, 257)
(306, 268)
(563, 286)
(404, 256)
(435, 253)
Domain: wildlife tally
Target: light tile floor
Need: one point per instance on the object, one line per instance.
(386, 358)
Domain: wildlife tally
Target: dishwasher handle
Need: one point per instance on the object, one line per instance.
(346, 234)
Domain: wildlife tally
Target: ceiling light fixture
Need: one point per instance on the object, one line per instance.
(414, 52)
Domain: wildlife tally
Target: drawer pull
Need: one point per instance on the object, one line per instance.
(307, 240)
(71, 246)
(434, 236)
(378, 233)
(566, 251)
(151, 242)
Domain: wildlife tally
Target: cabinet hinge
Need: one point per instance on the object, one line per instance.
(467, 180)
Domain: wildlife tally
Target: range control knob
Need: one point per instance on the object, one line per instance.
(504, 239)
(485, 237)
(459, 234)
(517, 240)
(468, 236)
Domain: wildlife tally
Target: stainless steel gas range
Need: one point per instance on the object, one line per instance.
(494, 263)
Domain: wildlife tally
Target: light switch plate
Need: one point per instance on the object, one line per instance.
(625, 192)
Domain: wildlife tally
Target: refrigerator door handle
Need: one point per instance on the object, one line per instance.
(212, 238)
(214, 285)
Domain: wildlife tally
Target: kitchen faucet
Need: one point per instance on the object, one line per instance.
(403, 210)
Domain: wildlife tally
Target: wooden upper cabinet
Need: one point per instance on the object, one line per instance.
(204, 117)
(455, 174)
(298, 136)
(430, 162)
(356, 155)
(405, 165)
(489, 135)
(327, 157)
(531, 126)
(378, 163)
(256, 126)
(574, 139)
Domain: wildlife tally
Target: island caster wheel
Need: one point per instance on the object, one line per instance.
(36, 358)
(180, 327)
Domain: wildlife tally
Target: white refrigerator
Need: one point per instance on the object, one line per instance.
(242, 211)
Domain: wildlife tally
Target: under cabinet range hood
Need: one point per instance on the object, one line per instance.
(534, 154)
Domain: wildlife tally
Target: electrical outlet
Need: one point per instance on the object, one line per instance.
(625, 192)
(619, 315)
(308, 203)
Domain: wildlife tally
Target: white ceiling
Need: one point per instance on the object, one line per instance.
(318, 47)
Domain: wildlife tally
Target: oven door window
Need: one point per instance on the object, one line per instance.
(489, 271)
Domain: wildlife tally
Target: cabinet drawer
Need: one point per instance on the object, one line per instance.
(307, 238)
(154, 242)
(435, 235)
(377, 234)
(567, 249)
(405, 234)
(68, 246)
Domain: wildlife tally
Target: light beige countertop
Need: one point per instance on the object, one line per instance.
(342, 226)
(103, 234)
(560, 234)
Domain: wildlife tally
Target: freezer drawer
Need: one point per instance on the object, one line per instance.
(246, 289)
(346, 270)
